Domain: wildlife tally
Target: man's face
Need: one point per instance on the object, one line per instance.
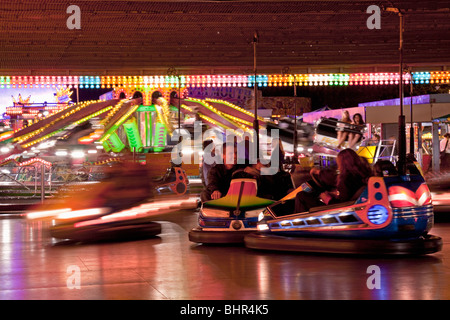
(230, 155)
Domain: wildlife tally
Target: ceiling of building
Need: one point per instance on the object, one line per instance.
(216, 37)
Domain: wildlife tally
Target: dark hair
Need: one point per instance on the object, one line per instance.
(326, 178)
(351, 164)
(360, 116)
(384, 167)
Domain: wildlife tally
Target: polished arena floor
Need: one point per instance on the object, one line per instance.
(170, 267)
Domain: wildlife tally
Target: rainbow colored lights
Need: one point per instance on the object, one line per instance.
(274, 80)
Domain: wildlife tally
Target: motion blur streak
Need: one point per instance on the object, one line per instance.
(46, 214)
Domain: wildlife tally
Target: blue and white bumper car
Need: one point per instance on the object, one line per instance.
(391, 216)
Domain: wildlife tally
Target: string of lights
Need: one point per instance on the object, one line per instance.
(326, 79)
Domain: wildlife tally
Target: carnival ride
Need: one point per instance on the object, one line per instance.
(58, 126)
(378, 221)
(326, 135)
(144, 127)
(121, 126)
(122, 204)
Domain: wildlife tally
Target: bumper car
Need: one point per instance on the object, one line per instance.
(120, 207)
(174, 181)
(229, 219)
(103, 224)
(124, 225)
(390, 216)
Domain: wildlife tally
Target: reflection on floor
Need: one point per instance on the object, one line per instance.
(35, 266)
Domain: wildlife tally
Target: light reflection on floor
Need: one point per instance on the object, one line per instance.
(34, 266)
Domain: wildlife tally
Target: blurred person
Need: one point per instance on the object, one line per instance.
(278, 158)
(353, 138)
(375, 141)
(341, 134)
(383, 168)
(125, 185)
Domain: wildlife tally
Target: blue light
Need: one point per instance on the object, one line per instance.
(377, 214)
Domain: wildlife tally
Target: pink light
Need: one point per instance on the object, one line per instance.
(144, 210)
(82, 213)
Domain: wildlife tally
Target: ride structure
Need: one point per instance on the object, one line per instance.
(326, 130)
(392, 215)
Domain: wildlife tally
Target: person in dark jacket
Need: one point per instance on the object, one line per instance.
(354, 172)
(274, 185)
(321, 180)
(219, 176)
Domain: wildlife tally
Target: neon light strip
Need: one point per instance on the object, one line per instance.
(214, 110)
(117, 124)
(56, 117)
(379, 78)
(29, 144)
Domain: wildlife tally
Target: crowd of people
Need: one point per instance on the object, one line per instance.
(217, 177)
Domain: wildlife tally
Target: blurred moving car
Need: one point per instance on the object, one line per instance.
(121, 206)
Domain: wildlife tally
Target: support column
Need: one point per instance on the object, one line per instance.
(435, 146)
